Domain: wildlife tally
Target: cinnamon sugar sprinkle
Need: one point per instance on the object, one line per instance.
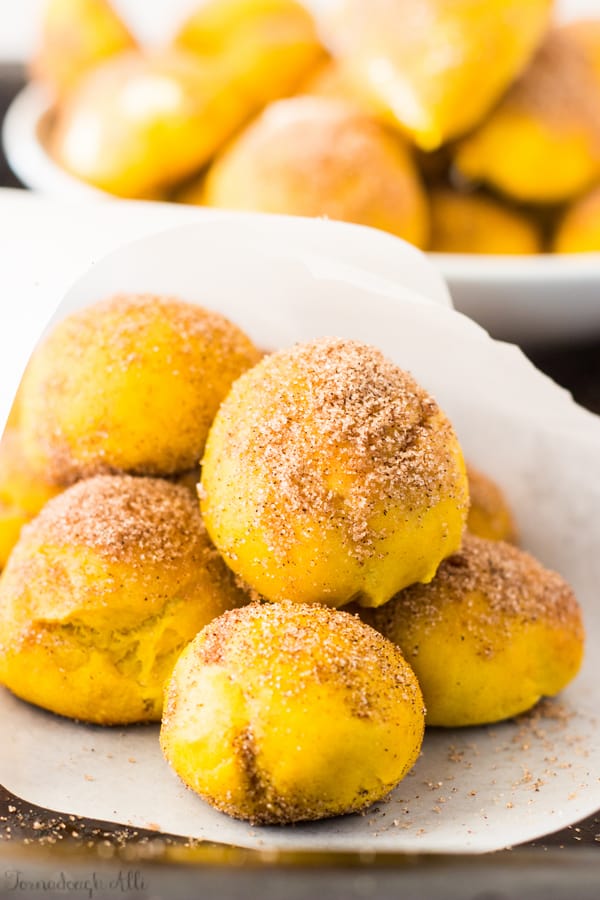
(122, 518)
(515, 585)
(135, 312)
(304, 150)
(319, 644)
(335, 433)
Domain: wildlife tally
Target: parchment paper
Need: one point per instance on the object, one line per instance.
(474, 789)
(46, 244)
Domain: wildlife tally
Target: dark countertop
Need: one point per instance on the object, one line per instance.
(132, 863)
(11, 80)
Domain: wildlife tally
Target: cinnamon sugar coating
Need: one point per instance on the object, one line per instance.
(130, 384)
(327, 464)
(123, 520)
(102, 592)
(283, 712)
(491, 634)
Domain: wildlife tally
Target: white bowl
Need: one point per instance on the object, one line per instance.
(528, 299)
(25, 127)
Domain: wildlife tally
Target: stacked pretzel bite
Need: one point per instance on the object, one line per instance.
(291, 611)
(107, 585)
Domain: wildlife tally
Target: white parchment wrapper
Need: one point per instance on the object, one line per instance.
(45, 244)
(473, 789)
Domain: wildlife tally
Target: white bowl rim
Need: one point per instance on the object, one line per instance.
(25, 151)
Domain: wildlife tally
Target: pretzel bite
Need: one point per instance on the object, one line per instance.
(493, 633)
(475, 223)
(280, 713)
(23, 491)
(313, 156)
(140, 122)
(541, 144)
(331, 475)
(490, 516)
(129, 384)
(101, 593)
(75, 37)
(269, 45)
(435, 67)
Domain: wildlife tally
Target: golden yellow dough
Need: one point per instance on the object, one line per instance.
(492, 634)
(436, 67)
(281, 713)
(579, 229)
(131, 384)
(14, 414)
(471, 223)
(542, 142)
(268, 45)
(141, 122)
(311, 156)
(12, 519)
(490, 516)
(329, 475)
(20, 484)
(102, 592)
(23, 491)
(74, 37)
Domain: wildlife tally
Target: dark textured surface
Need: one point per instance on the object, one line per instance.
(52, 855)
(11, 80)
(575, 367)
